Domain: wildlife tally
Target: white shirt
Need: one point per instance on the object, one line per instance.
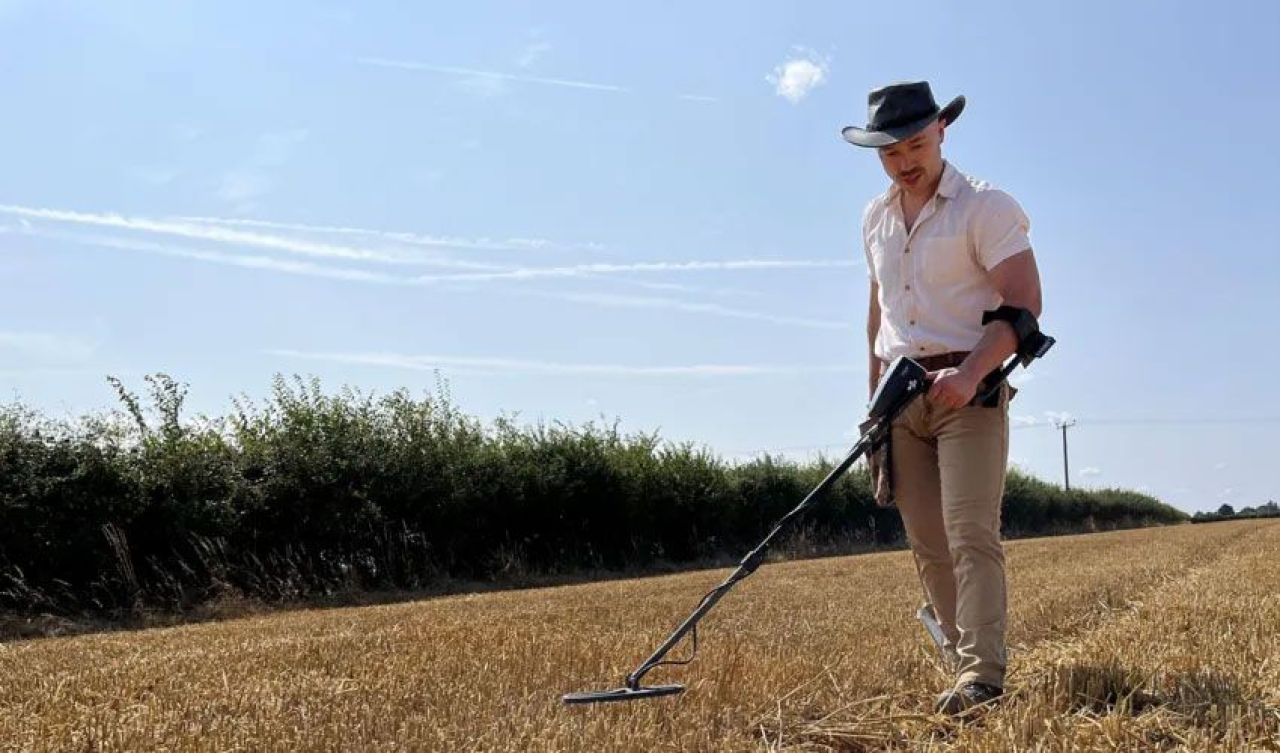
(933, 283)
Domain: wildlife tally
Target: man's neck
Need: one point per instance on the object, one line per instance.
(913, 201)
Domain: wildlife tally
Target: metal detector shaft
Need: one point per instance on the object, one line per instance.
(755, 557)
(903, 381)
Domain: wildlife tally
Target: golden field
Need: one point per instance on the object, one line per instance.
(1156, 639)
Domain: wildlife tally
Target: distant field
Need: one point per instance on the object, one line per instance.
(1155, 639)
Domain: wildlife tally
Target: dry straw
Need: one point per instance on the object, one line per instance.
(1159, 639)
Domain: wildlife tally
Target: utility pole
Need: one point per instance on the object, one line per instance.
(1065, 424)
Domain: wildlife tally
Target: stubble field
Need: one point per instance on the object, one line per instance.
(1156, 639)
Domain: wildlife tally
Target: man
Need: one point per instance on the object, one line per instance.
(942, 249)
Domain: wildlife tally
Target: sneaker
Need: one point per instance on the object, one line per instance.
(965, 697)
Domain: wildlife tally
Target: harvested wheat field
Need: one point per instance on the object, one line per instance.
(1158, 639)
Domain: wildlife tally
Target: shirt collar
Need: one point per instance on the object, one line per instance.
(949, 186)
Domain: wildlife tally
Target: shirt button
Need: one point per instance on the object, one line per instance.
(908, 287)
(913, 322)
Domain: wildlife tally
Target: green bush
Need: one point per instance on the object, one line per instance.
(308, 493)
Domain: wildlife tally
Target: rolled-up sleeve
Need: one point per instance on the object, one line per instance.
(1000, 229)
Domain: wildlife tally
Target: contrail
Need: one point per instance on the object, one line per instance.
(410, 65)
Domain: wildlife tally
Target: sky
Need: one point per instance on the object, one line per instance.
(577, 211)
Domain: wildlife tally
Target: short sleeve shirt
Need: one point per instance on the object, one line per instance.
(933, 284)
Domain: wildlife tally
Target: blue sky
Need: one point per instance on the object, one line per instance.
(575, 210)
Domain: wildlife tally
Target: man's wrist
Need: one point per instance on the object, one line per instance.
(974, 367)
(991, 351)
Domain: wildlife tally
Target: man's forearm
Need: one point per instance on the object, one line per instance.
(997, 344)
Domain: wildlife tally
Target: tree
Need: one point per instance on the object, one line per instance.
(1226, 511)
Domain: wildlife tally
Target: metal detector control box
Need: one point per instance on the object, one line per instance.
(902, 381)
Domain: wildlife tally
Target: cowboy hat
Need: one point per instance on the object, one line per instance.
(900, 111)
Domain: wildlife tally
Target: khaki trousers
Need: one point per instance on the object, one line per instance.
(948, 478)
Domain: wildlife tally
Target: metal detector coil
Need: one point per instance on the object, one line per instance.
(621, 694)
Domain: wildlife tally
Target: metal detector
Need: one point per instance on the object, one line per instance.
(902, 382)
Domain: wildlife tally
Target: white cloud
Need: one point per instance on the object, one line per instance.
(1025, 420)
(676, 287)
(476, 271)
(1220, 466)
(523, 366)
(411, 65)
(670, 304)
(484, 244)
(798, 75)
(1090, 471)
(588, 270)
(215, 234)
(267, 263)
(1226, 493)
(488, 84)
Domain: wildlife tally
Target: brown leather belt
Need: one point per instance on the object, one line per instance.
(942, 360)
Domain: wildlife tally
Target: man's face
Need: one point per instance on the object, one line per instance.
(915, 164)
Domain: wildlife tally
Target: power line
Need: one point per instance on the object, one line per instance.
(1165, 421)
(1050, 424)
(1045, 425)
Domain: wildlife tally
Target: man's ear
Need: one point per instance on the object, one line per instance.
(942, 130)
